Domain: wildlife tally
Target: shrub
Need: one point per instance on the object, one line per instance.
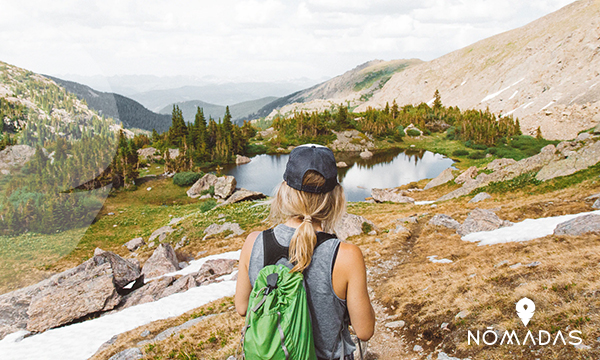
(186, 178)
(413, 132)
(476, 155)
(208, 205)
(366, 227)
(210, 190)
(460, 153)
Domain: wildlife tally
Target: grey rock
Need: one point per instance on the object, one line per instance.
(467, 175)
(534, 264)
(341, 164)
(213, 269)
(134, 244)
(481, 220)
(417, 348)
(243, 195)
(240, 159)
(129, 354)
(162, 261)
(498, 164)
(462, 314)
(173, 153)
(174, 330)
(579, 225)
(182, 284)
(225, 186)
(395, 324)
(151, 291)
(348, 141)
(204, 183)
(15, 156)
(597, 129)
(480, 197)
(108, 343)
(372, 232)
(443, 356)
(392, 195)
(515, 266)
(445, 221)
(183, 264)
(400, 229)
(583, 137)
(442, 178)
(214, 229)
(124, 271)
(161, 234)
(366, 154)
(596, 204)
(148, 153)
(592, 197)
(587, 156)
(351, 225)
(582, 347)
(175, 221)
(501, 263)
(145, 333)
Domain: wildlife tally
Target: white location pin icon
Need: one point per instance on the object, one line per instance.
(525, 310)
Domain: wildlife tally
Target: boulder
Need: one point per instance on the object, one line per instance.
(366, 154)
(173, 153)
(351, 225)
(350, 140)
(182, 284)
(480, 197)
(15, 156)
(124, 271)
(412, 127)
(240, 160)
(151, 291)
(578, 226)
(341, 164)
(481, 220)
(442, 178)
(243, 195)
(204, 183)
(585, 157)
(467, 175)
(161, 233)
(129, 354)
(214, 229)
(583, 137)
(445, 221)
(596, 204)
(597, 128)
(89, 288)
(162, 261)
(134, 244)
(392, 195)
(498, 164)
(225, 186)
(147, 153)
(213, 269)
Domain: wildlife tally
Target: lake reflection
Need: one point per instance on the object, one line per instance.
(386, 169)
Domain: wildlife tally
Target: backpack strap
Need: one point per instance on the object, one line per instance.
(273, 251)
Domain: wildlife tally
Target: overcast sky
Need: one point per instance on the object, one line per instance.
(245, 39)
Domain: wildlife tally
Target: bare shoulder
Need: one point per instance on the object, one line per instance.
(349, 255)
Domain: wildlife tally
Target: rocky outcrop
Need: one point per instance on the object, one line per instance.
(225, 186)
(481, 220)
(240, 160)
(124, 271)
(129, 354)
(213, 269)
(412, 127)
(442, 178)
(341, 164)
(366, 154)
(392, 195)
(596, 205)
(467, 175)
(15, 156)
(498, 164)
(585, 157)
(204, 183)
(148, 153)
(214, 229)
(578, 226)
(173, 153)
(243, 195)
(350, 140)
(162, 261)
(445, 221)
(147, 293)
(134, 244)
(182, 284)
(351, 225)
(480, 197)
(161, 234)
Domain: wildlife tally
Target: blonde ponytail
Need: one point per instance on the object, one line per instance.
(326, 209)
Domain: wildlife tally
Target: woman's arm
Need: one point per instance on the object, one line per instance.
(243, 288)
(349, 269)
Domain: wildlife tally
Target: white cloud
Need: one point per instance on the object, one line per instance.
(253, 39)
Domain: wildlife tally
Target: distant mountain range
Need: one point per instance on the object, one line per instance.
(131, 113)
(239, 112)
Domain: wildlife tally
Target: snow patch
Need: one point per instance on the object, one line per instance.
(548, 105)
(525, 230)
(489, 97)
(462, 83)
(426, 202)
(593, 85)
(528, 104)
(82, 340)
(430, 101)
(513, 95)
(433, 259)
(518, 82)
(195, 265)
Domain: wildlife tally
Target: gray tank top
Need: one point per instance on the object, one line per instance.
(327, 310)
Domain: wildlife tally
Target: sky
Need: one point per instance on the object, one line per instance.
(245, 40)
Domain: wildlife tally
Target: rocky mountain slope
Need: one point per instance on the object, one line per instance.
(545, 73)
(131, 113)
(353, 86)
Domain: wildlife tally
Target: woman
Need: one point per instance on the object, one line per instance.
(310, 200)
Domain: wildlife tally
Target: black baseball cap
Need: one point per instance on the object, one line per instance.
(311, 157)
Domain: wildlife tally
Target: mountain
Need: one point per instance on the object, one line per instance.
(545, 73)
(239, 111)
(353, 87)
(131, 113)
(221, 94)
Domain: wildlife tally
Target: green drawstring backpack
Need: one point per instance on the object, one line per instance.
(278, 324)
